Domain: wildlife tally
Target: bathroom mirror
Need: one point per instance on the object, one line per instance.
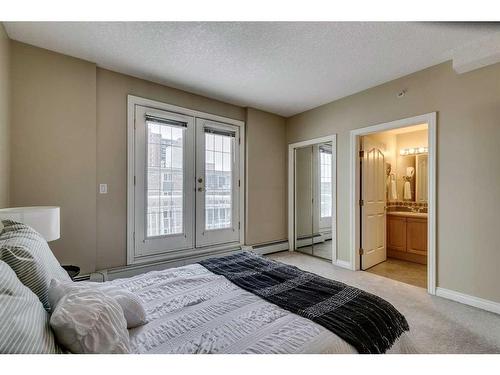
(412, 178)
(421, 162)
(313, 200)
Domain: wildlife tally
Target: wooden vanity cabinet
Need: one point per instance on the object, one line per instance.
(396, 233)
(407, 238)
(416, 236)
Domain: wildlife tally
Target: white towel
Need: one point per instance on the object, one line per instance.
(407, 190)
(393, 193)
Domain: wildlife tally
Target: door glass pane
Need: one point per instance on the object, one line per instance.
(165, 179)
(218, 184)
(326, 182)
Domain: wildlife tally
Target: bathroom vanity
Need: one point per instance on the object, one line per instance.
(407, 236)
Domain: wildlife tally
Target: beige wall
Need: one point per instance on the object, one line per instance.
(69, 134)
(112, 91)
(468, 185)
(53, 145)
(266, 219)
(4, 118)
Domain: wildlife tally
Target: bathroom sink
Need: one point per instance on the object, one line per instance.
(407, 211)
(399, 209)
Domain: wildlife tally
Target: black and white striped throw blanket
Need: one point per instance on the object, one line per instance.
(367, 322)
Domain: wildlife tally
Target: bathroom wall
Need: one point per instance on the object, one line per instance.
(408, 140)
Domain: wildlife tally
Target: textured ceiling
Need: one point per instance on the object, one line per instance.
(281, 67)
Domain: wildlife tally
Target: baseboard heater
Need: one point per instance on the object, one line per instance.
(137, 269)
(268, 248)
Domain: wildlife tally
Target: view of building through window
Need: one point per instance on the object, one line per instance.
(165, 179)
(218, 184)
(325, 155)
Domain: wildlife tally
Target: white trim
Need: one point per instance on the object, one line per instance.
(291, 190)
(466, 299)
(430, 120)
(132, 101)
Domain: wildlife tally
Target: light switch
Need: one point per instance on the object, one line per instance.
(103, 188)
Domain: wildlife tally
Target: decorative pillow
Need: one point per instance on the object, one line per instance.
(29, 255)
(24, 323)
(132, 307)
(88, 321)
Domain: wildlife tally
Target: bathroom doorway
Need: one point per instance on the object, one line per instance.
(393, 186)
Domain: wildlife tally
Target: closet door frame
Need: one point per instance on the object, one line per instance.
(132, 258)
(292, 229)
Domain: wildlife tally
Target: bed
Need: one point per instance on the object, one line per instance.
(193, 310)
(239, 303)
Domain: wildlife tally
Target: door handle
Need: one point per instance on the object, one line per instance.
(200, 180)
(200, 189)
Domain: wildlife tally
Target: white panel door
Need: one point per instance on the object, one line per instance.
(373, 232)
(164, 182)
(217, 183)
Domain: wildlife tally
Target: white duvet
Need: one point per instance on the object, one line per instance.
(192, 310)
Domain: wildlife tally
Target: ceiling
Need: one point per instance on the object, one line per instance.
(281, 67)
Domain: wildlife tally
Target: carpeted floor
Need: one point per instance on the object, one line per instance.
(437, 325)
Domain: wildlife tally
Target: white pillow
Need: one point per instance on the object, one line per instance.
(131, 304)
(88, 321)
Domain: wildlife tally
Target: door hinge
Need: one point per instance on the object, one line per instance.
(361, 154)
(361, 202)
(361, 251)
(134, 180)
(239, 140)
(133, 235)
(239, 183)
(239, 225)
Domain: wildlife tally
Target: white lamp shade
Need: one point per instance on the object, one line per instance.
(43, 219)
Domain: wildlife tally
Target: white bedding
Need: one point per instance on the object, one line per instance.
(192, 310)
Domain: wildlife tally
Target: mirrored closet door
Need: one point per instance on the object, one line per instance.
(313, 179)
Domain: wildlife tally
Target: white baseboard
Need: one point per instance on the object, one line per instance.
(469, 300)
(343, 264)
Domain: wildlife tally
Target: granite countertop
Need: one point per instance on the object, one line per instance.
(421, 215)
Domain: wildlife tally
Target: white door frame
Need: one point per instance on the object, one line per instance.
(291, 190)
(132, 101)
(430, 120)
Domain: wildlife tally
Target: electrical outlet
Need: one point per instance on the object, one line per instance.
(103, 188)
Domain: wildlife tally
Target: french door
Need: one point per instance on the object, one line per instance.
(186, 185)
(217, 165)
